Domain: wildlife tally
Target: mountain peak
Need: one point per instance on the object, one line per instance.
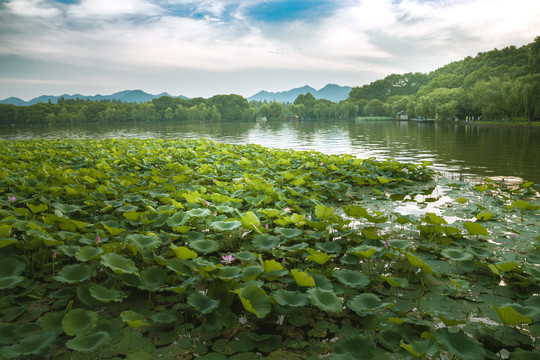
(331, 92)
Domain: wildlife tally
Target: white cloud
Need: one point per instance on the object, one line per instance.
(32, 8)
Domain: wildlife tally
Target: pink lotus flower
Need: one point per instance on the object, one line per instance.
(12, 199)
(227, 259)
(386, 245)
(54, 255)
(98, 239)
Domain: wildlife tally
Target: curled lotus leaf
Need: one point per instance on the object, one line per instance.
(86, 253)
(326, 300)
(205, 246)
(354, 279)
(228, 273)
(353, 347)
(225, 225)
(475, 228)
(143, 242)
(119, 264)
(106, 295)
(460, 344)
(74, 274)
(457, 254)
(199, 213)
(89, 342)
(420, 348)
(255, 300)
(35, 344)
(133, 319)
(288, 233)
(202, 303)
(79, 322)
(290, 298)
(364, 304)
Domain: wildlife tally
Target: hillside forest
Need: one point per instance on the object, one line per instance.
(500, 85)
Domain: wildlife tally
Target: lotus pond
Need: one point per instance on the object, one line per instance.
(181, 249)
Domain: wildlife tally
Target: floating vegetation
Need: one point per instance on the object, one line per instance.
(165, 249)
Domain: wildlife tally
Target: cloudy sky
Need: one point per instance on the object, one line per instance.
(207, 47)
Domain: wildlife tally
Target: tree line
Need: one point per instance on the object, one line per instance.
(494, 85)
(165, 108)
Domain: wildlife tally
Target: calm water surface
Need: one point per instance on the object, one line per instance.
(459, 151)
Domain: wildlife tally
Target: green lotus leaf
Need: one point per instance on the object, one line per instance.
(12, 265)
(370, 235)
(152, 278)
(74, 274)
(250, 221)
(86, 253)
(480, 252)
(509, 266)
(266, 242)
(225, 225)
(295, 248)
(290, 298)
(66, 208)
(183, 253)
(459, 344)
(399, 244)
(456, 255)
(165, 319)
(4, 242)
(273, 342)
(415, 261)
(133, 319)
(332, 247)
(255, 300)
(318, 257)
(520, 354)
(302, 278)
(364, 304)
(326, 300)
(119, 264)
(34, 344)
(396, 282)
(475, 228)
(484, 215)
(202, 303)
(432, 218)
(353, 347)
(113, 230)
(449, 319)
(251, 272)
(89, 342)
(205, 246)
(228, 273)
(362, 251)
(5, 231)
(389, 338)
(37, 208)
(288, 233)
(323, 212)
(143, 242)
(243, 342)
(355, 211)
(127, 208)
(354, 279)
(79, 322)
(199, 213)
(460, 283)
(106, 295)
(9, 282)
(68, 250)
(245, 256)
(420, 348)
(510, 316)
(271, 265)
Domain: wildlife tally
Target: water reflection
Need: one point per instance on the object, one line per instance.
(459, 151)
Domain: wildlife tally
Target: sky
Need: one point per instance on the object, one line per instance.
(208, 47)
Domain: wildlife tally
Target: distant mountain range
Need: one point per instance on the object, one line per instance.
(135, 96)
(331, 92)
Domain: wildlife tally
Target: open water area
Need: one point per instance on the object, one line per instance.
(459, 151)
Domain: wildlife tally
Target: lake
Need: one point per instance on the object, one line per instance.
(459, 151)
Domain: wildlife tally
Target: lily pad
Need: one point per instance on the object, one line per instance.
(79, 322)
(326, 300)
(89, 342)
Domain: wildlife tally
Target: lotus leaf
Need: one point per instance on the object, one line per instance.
(79, 322)
(326, 300)
(89, 342)
(330, 247)
(198, 213)
(205, 246)
(456, 254)
(420, 348)
(86, 253)
(302, 278)
(510, 316)
(353, 347)
(365, 304)
(119, 264)
(245, 256)
(228, 273)
(290, 298)
(183, 253)
(133, 319)
(460, 345)
(318, 257)
(152, 278)
(396, 282)
(323, 212)
(202, 303)
(225, 225)
(31, 345)
(106, 295)
(255, 300)
(74, 274)
(7, 241)
(288, 233)
(475, 228)
(266, 242)
(354, 279)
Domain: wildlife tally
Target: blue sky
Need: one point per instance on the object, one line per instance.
(207, 47)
